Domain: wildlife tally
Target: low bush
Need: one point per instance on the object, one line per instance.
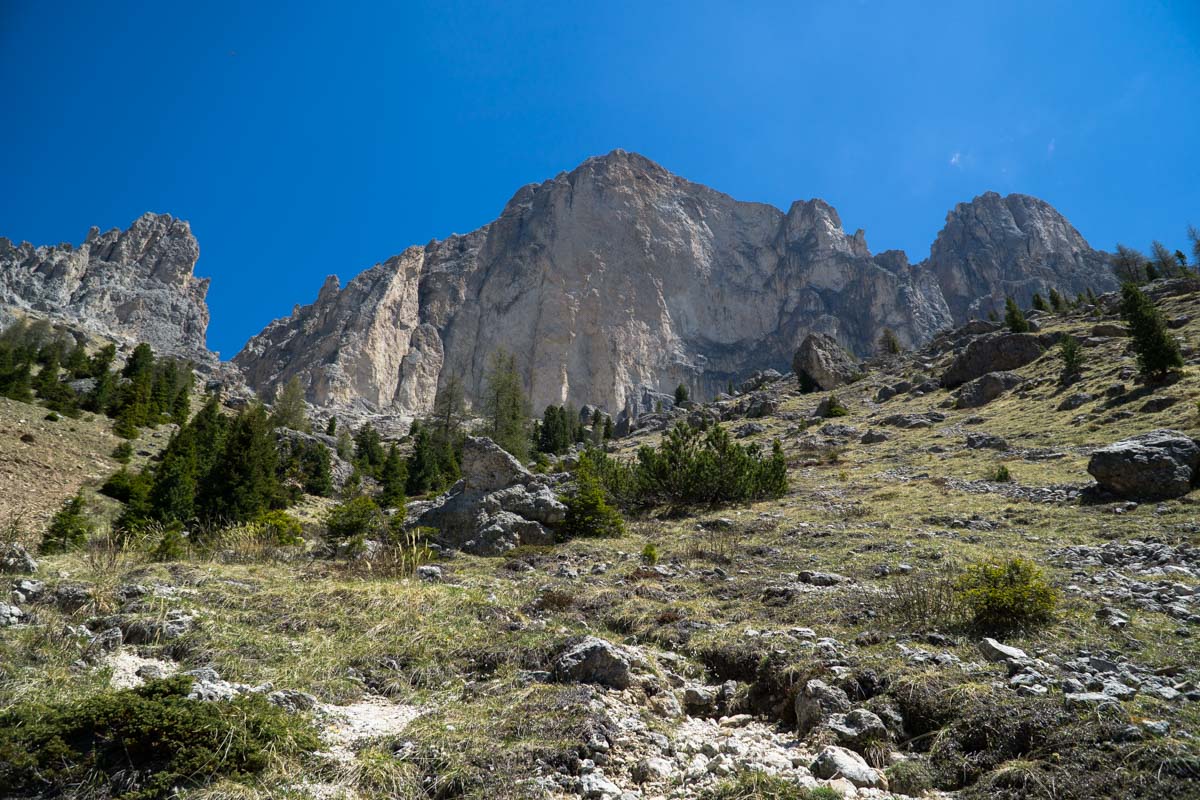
(123, 452)
(1001, 475)
(909, 777)
(833, 407)
(1001, 597)
(357, 519)
(762, 786)
(279, 528)
(142, 744)
(693, 466)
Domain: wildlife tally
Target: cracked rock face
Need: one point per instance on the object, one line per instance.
(996, 247)
(136, 284)
(619, 275)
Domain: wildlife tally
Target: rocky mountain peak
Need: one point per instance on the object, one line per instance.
(136, 284)
(1015, 245)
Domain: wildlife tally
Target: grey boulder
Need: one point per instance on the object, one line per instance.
(1150, 466)
(987, 388)
(992, 353)
(824, 362)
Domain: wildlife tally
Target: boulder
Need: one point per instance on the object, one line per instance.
(874, 437)
(1150, 466)
(991, 353)
(986, 388)
(838, 762)
(858, 729)
(824, 362)
(986, 441)
(816, 702)
(15, 559)
(1109, 329)
(596, 661)
(486, 466)
(1074, 401)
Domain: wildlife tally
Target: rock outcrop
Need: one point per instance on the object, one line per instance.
(498, 504)
(996, 247)
(995, 352)
(136, 285)
(618, 278)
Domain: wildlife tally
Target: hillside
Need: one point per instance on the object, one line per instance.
(705, 651)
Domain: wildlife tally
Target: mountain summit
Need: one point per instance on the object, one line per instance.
(619, 275)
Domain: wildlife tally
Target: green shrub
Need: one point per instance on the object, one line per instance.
(279, 528)
(588, 511)
(762, 786)
(650, 554)
(693, 467)
(832, 407)
(172, 546)
(141, 744)
(1072, 357)
(122, 453)
(681, 394)
(1006, 596)
(1002, 475)
(69, 529)
(910, 777)
(357, 518)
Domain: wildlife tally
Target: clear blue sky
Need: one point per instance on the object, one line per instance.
(324, 137)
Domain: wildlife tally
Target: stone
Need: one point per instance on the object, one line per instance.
(838, 762)
(652, 770)
(1109, 329)
(596, 661)
(15, 559)
(1157, 465)
(874, 437)
(1087, 700)
(1074, 401)
(824, 362)
(995, 651)
(986, 388)
(429, 572)
(986, 441)
(10, 615)
(858, 729)
(993, 353)
(135, 285)
(387, 339)
(816, 702)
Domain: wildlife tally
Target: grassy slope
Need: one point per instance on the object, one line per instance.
(459, 648)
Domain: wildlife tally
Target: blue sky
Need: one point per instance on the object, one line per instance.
(327, 137)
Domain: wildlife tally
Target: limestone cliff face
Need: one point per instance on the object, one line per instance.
(614, 276)
(610, 277)
(995, 247)
(136, 284)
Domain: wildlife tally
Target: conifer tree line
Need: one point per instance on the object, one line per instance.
(1133, 266)
(145, 391)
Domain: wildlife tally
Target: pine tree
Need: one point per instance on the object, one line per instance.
(1072, 357)
(423, 473)
(315, 470)
(393, 478)
(102, 360)
(173, 495)
(597, 427)
(681, 394)
(1129, 265)
(588, 510)
(1057, 302)
(141, 362)
(888, 343)
(368, 450)
(608, 428)
(331, 427)
(1163, 259)
(1013, 317)
(1194, 238)
(1039, 302)
(290, 410)
(69, 529)
(1157, 351)
(506, 406)
(345, 444)
(243, 482)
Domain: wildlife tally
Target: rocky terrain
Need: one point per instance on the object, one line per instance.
(619, 277)
(135, 285)
(773, 649)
